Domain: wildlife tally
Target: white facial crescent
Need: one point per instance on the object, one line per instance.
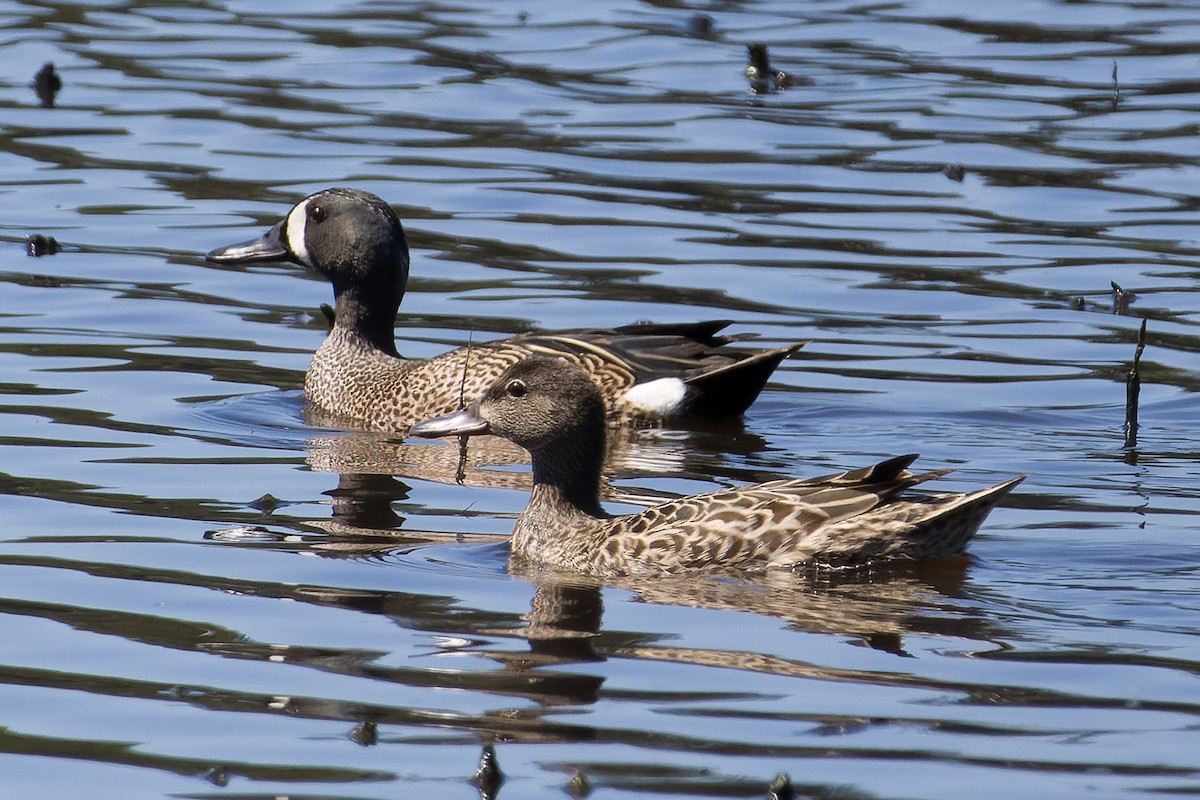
(296, 229)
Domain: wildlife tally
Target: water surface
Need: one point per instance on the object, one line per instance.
(204, 593)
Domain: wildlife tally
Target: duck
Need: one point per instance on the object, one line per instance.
(847, 520)
(644, 371)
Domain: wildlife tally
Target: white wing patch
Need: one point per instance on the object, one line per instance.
(659, 397)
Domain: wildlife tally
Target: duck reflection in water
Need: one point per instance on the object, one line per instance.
(564, 627)
(491, 462)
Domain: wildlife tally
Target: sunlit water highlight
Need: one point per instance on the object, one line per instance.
(202, 592)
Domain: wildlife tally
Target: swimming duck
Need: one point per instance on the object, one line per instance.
(356, 241)
(550, 408)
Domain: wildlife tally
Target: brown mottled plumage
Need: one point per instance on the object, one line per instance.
(858, 517)
(355, 240)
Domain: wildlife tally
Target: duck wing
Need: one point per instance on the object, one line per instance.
(700, 375)
(845, 519)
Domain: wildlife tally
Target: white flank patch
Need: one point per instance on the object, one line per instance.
(659, 398)
(296, 222)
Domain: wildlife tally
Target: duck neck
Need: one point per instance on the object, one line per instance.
(371, 317)
(567, 474)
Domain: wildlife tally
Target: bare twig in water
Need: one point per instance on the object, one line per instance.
(488, 777)
(1133, 388)
(462, 384)
(1121, 298)
(1116, 98)
(460, 472)
(781, 788)
(46, 85)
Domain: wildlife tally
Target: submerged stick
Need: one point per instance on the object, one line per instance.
(781, 788)
(460, 471)
(488, 777)
(46, 84)
(1121, 298)
(1133, 389)
(462, 384)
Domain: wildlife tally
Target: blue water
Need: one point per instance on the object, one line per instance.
(205, 592)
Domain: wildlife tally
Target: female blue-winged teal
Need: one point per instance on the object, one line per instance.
(550, 408)
(356, 241)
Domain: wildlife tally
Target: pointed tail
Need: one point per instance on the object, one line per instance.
(729, 390)
(953, 520)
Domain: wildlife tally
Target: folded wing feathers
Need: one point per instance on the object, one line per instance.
(848, 518)
(649, 350)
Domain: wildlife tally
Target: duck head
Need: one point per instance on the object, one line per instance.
(351, 237)
(539, 403)
(552, 409)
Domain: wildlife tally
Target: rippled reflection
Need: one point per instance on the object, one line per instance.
(941, 201)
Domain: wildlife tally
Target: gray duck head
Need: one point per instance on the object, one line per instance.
(356, 241)
(552, 409)
(540, 403)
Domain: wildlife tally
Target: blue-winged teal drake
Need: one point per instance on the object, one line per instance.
(357, 242)
(851, 519)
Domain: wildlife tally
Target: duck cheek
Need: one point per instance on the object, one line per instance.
(529, 437)
(296, 231)
(497, 423)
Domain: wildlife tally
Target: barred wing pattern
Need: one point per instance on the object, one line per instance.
(842, 520)
(720, 382)
(351, 378)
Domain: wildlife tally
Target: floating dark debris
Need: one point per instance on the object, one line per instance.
(266, 504)
(701, 26)
(955, 172)
(781, 788)
(1116, 97)
(46, 84)
(38, 245)
(488, 776)
(764, 78)
(1133, 390)
(1121, 299)
(218, 776)
(365, 733)
(579, 786)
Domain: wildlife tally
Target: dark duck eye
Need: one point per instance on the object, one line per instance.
(316, 214)
(516, 389)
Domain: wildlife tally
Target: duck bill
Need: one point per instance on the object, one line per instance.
(271, 246)
(465, 422)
